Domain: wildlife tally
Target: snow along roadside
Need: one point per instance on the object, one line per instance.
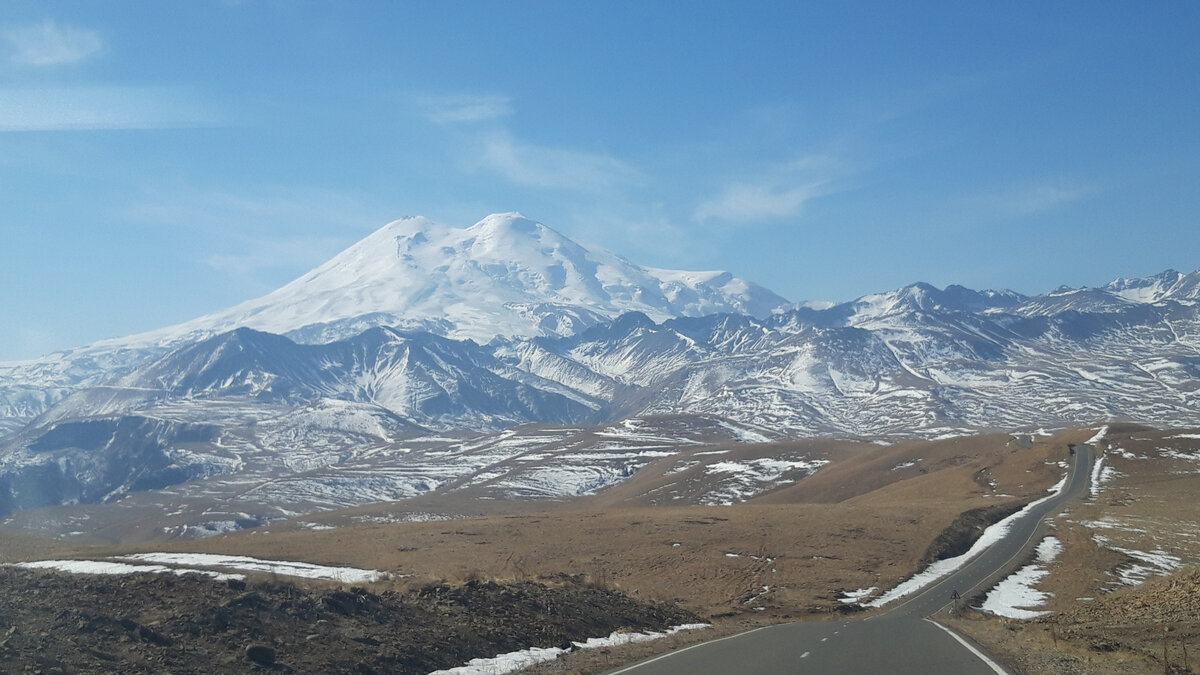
(507, 663)
(1016, 596)
(943, 568)
(1099, 474)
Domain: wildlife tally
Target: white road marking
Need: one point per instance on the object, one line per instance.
(996, 667)
(700, 644)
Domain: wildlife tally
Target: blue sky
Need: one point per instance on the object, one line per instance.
(160, 160)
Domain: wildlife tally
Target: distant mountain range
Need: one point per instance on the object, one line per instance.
(423, 327)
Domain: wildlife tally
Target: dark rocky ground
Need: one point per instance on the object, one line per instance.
(157, 623)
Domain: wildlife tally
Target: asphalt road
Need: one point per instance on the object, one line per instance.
(899, 640)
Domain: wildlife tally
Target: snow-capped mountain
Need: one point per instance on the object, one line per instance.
(1169, 285)
(422, 328)
(506, 275)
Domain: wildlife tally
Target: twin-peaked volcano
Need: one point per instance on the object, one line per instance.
(506, 275)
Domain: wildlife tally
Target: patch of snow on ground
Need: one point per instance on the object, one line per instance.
(1100, 475)
(1100, 434)
(1171, 453)
(1149, 563)
(282, 567)
(904, 465)
(680, 468)
(1015, 597)
(402, 518)
(109, 567)
(749, 478)
(1049, 549)
(1054, 489)
(1110, 524)
(742, 434)
(507, 663)
(943, 568)
(1190, 436)
(857, 595)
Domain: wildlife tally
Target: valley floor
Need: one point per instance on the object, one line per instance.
(867, 521)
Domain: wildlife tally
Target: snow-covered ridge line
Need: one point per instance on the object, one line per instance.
(507, 663)
(943, 568)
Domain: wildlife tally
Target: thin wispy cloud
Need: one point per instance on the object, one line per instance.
(258, 239)
(102, 107)
(49, 44)
(1026, 199)
(1030, 200)
(463, 109)
(254, 257)
(751, 202)
(272, 209)
(782, 192)
(549, 167)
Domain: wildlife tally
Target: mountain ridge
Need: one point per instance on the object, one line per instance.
(393, 412)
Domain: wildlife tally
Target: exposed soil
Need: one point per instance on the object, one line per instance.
(155, 623)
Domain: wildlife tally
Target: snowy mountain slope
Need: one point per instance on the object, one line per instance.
(1168, 285)
(505, 276)
(268, 462)
(421, 377)
(917, 361)
(904, 370)
(329, 420)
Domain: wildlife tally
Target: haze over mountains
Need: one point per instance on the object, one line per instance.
(422, 327)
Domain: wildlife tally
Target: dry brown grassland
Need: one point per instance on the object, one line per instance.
(1100, 622)
(865, 519)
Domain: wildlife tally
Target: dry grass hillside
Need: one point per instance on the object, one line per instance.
(865, 519)
(1126, 594)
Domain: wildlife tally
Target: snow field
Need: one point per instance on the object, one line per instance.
(186, 563)
(106, 567)
(350, 575)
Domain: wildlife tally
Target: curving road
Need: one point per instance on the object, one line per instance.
(900, 640)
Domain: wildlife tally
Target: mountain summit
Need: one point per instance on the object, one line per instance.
(506, 276)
